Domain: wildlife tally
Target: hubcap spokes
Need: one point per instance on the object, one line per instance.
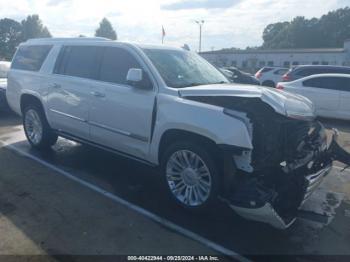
(33, 126)
(188, 178)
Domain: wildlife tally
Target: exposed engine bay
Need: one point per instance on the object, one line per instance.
(289, 160)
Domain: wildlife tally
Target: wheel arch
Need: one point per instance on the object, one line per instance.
(183, 135)
(27, 99)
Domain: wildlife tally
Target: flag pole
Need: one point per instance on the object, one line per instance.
(163, 34)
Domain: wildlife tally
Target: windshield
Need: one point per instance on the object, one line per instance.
(183, 68)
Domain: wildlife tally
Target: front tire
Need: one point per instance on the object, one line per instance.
(36, 128)
(191, 175)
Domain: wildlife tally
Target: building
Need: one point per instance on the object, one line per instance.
(252, 60)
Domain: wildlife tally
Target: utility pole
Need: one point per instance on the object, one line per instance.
(200, 23)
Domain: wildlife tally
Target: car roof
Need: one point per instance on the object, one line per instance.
(94, 40)
(319, 66)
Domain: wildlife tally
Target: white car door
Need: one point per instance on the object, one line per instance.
(323, 93)
(121, 114)
(69, 90)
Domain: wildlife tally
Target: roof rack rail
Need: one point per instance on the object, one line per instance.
(58, 39)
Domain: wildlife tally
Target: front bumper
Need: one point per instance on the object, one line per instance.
(256, 202)
(268, 214)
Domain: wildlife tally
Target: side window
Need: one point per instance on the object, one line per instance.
(333, 83)
(345, 84)
(78, 61)
(314, 82)
(30, 58)
(115, 65)
(280, 71)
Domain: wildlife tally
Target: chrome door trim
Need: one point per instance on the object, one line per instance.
(88, 142)
(120, 132)
(69, 116)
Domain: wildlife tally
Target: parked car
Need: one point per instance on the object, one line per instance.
(237, 76)
(4, 68)
(170, 108)
(270, 76)
(302, 71)
(330, 93)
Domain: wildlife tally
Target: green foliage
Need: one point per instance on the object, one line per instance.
(32, 27)
(10, 37)
(331, 30)
(13, 33)
(106, 30)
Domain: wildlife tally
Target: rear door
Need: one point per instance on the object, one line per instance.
(324, 93)
(69, 89)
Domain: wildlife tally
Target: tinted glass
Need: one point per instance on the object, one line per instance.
(345, 84)
(265, 69)
(115, 65)
(78, 61)
(30, 58)
(334, 83)
(280, 71)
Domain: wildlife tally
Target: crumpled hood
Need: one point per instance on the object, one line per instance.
(282, 102)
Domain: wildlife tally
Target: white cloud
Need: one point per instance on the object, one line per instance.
(227, 22)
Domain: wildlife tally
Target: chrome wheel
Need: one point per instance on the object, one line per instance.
(188, 178)
(33, 126)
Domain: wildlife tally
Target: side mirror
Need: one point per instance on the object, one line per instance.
(134, 75)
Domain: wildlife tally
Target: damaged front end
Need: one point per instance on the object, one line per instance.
(289, 160)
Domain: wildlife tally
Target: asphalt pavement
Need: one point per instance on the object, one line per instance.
(75, 199)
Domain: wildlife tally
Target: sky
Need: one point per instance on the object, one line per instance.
(228, 23)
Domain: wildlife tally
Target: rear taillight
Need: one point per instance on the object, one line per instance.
(286, 78)
(280, 86)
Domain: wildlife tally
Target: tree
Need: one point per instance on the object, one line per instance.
(32, 27)
(106, 30)
(10, 37)
(331, 30)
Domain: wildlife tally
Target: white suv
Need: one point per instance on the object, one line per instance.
(270, 76)
(258, 149)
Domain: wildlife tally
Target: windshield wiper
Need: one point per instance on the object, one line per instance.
(196, 84)
(221, 82)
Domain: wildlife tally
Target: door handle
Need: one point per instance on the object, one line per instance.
(97, 94)
(56, 86)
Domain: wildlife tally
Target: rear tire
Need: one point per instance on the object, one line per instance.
(36, 128)
(269, 84)
(190, 174)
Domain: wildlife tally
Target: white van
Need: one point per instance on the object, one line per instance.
(259, 149)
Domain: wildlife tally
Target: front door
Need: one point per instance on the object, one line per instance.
(121, 114)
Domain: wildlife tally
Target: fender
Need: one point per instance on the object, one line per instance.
(199, 118)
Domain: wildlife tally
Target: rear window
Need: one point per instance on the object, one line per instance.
(30, 58)
(281, 71)
(266, 69)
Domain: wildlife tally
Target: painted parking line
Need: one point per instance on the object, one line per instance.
(166, 223)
